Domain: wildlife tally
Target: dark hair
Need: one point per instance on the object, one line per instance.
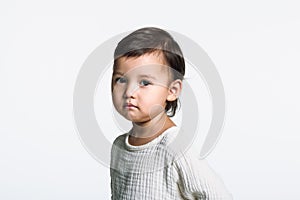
(154, 40)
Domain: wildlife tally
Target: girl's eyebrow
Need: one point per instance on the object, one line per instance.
(117, 73)
(140, 76)
(147, 76)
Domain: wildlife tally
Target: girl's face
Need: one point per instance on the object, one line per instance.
(140, 87)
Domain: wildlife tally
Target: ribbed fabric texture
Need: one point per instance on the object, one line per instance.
(155, 172)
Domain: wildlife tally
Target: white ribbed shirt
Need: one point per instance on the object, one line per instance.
(155, 172)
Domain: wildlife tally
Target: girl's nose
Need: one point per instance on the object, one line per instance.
(130, 90)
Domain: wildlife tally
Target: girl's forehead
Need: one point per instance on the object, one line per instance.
(149, 58)
(148, 63)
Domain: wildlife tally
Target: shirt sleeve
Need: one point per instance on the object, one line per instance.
(197, 181)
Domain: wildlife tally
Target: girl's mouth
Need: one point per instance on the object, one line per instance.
(129, 105)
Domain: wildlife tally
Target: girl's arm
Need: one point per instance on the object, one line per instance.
(196, 180)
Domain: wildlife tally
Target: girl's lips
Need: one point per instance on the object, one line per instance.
(129, 105)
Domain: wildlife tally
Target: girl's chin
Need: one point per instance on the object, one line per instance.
(138, 121)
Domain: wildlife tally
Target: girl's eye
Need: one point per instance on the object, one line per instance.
(145, 83)
(120, 80)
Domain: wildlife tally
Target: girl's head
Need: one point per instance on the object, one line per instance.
(151, 58)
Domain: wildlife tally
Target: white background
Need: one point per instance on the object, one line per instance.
(255, 46)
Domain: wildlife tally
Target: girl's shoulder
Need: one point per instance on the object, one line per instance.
(121, 138)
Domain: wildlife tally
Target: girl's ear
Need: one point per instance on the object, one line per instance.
(174, 90)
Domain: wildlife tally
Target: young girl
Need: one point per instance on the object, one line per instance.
(147, 79)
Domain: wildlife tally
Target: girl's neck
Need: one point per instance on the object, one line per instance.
(140, 135)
